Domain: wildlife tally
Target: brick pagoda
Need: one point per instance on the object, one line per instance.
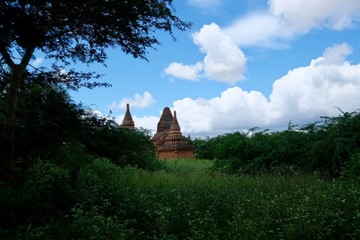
(169, 141)
(128, 122)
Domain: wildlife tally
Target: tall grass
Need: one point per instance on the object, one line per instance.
(200, 204)
(187, 200)
(184, 166)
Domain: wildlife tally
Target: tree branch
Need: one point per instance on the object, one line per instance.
(27, 57)
(7, 58)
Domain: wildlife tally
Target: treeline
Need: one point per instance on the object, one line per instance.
(329, 147)
(49, 123)
(57, 145)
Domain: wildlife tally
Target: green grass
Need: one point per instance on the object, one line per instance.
(188, 200)
(184, 166)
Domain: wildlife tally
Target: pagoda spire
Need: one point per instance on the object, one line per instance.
(175, 127)
(169, 141)
(163, 127)
(128, 122)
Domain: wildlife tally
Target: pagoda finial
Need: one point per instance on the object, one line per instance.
(128, 122)
(175, 127)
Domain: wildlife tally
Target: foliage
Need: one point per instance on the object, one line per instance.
(46, 118)
(41, 195)
(184, 166)
(107, 202)
(351, 168)
(82, 30)
(322, 147)
(105, 138)
(50, 124)
(70, 32)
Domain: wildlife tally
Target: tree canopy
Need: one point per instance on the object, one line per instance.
(70, 31)
(82, 30)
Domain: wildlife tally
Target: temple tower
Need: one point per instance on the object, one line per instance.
(128, 122)
(170, 143)
(163, 127)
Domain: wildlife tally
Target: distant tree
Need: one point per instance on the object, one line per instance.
(46, 119)
(71, 31)
(50, 125)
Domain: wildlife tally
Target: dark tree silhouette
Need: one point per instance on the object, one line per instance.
(71, 31)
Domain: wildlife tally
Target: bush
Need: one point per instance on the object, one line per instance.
(351, 168)
(72, 156)
(122, 146)
(42, 195)
(321, 147)
(47, 189)
(93, 224)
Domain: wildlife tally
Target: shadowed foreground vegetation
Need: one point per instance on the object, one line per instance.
(185, 200)
(81, 176)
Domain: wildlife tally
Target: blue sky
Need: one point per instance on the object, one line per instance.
(243, 64)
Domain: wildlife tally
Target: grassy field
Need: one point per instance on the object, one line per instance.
(185, 200)
(189, 201)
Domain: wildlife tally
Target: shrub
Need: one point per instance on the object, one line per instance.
(47, 189)
(321, 147)
(351, 168)
(41, 197)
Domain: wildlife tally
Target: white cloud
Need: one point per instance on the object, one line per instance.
(235, 109)
(285, 20)
(187, 72)
(146, 122)
(306, 93)
(137, 101)
(336, 54)
(37, 62)
(302, 96)
(223, 61)
(259, 29)
(304, 15)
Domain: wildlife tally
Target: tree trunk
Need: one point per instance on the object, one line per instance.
(7, 161)
(7, 165)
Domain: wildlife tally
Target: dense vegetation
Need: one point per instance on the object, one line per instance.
(82, 176)
(325, 147)
(67, 173)
(49, 122)
(69, 32)
(186, 200)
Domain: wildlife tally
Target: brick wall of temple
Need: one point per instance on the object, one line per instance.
(171, 154)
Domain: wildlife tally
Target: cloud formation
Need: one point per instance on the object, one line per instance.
(306, 93)
(187, 72)
(285, 20)
(303, 15)
(139, 101)
(301, 96)
(223, 61)
(260, 29)
(37, 62)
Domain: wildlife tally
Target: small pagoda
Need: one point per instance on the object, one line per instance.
(128, 122)
(168, 139)
(163, 127)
